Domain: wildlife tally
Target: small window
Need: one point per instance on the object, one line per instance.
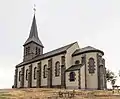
(45, 71)
(72, 76)
(57, 68)
(26, 74)
(35, 72)
(36, 51)
(39, 51)
(28, 50)
(83, 60)
(77, 62)
(19, 75)
(63, 60)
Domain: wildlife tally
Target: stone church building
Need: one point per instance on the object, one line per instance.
(69, 66)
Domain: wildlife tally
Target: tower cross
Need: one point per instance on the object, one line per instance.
(34, 8)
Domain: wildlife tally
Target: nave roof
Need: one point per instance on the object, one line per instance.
(48, 54)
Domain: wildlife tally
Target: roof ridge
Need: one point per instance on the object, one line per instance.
(71, 45)
(87, 49)
(61, 47)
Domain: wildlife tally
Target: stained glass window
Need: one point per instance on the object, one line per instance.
(57, 68)
(35, 72)
(26, 74)
(45, 71)
(91, 65)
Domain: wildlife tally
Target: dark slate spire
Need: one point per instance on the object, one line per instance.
(33, 37)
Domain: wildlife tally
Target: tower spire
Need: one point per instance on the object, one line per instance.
(33, 36)
(33, 46)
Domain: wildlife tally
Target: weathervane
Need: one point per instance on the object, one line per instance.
(34, 8)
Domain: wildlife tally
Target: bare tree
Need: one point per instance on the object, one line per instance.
(110, 76)
(119, 73)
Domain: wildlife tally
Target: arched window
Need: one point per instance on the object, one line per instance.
(36, 51)
(77, 62)
(83, 60)
(26, 74)
(91, 65)
(72, 76)
(39, 51)
(63, 60)
(28, 50)
(45, 71)
(19, 75)
(35, 72)
(57, 68)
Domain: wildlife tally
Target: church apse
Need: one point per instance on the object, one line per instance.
(91, 71)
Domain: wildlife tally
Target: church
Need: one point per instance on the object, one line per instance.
(69, 67)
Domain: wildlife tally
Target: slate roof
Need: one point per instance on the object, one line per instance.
(48, 54)
(33, 37)
(86, 49)
(74, 67)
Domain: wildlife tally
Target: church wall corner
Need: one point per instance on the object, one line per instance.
(69, 53)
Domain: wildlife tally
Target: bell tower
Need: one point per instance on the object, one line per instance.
(33, 46)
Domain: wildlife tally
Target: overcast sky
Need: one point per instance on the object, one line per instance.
(89, 22)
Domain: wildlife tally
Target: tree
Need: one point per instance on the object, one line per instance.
(119, 73)
(113, 82)
(110, 77)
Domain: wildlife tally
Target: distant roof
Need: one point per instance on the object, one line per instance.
(86, 49)
(48, 54)
(33, 37)
(74, 67)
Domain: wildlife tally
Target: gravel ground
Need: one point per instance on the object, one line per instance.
(45, 93)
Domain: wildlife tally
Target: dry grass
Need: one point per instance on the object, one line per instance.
(44, 93)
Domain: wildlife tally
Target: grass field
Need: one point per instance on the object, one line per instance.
(45, 93)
